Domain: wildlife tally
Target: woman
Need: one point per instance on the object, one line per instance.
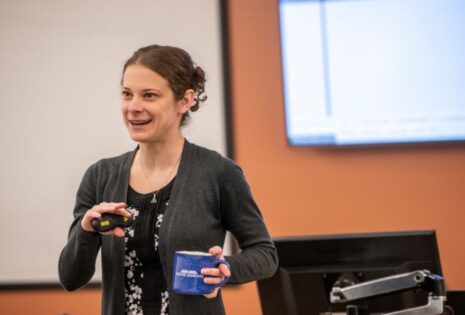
(184, 197)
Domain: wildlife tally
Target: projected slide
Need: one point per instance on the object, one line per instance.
(373, 71)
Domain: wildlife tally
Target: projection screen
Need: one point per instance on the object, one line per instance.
(60, 70)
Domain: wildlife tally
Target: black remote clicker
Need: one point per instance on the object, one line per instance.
(109, 221)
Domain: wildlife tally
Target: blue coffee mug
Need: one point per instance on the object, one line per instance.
(187, 278)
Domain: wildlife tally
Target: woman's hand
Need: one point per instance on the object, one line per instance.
(215, 275)
(96, 213)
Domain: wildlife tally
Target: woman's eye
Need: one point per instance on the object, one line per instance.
(150, 95)
(125, 94)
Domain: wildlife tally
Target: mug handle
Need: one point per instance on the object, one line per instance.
(226, 279)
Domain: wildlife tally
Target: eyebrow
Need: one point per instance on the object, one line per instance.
(144, 90)
(151, 90)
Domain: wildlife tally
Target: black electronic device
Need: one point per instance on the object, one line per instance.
(109, 221)
(310, 266)
(456, 300)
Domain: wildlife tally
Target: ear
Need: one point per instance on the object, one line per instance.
(186, 102)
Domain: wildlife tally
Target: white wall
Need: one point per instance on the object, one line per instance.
(60, 66)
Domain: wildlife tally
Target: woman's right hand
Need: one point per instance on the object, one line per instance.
(96, 213)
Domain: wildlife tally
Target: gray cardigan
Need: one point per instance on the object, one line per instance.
(210, 196)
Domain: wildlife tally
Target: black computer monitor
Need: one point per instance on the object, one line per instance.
(309, 266)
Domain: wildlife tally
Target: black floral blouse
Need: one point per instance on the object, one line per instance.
(145, 285)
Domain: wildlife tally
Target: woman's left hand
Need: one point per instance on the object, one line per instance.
(215, 275)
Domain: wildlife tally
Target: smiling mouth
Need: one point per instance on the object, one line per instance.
(140, 122)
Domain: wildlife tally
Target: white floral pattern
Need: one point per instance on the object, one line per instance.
(133, 295)
(164, 303)
(158, 225)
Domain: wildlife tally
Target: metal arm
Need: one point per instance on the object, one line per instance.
(411, 280)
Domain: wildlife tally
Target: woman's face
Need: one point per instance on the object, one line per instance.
(150, 110)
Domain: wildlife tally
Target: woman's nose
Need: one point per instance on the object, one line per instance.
(135, 105)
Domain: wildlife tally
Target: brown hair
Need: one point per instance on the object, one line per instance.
(177, 67)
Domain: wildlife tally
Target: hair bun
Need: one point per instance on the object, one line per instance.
(198, 83)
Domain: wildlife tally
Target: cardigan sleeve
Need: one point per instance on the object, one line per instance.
(76, 264)
(241, 216)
